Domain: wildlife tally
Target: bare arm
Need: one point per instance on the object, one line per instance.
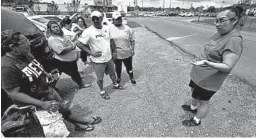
(24, 98)
(113, 46)
(84, 47)
(229, 61)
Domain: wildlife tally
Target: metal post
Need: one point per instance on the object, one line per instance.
(142, 5)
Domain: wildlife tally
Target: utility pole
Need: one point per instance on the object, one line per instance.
(183, 4)
(142, 5)
(163, 4)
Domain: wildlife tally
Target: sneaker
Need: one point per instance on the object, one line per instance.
(119, 86)
(133, 81)
(187, 108)
(190, 123)
(105, 96)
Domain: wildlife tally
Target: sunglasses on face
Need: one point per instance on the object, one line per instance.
(221, 21)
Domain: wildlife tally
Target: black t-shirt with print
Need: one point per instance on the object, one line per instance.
(26, 73)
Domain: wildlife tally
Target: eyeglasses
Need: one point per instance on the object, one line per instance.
(222, 20)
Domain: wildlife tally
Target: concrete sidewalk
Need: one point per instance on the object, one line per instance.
(152, 107)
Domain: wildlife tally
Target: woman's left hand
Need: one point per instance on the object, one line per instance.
(201, 63)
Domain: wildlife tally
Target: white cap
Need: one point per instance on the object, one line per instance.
(96, 14)
(116, 15)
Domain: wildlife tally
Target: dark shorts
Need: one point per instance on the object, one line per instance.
(200, 93)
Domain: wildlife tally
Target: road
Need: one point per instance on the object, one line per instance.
(190, 37)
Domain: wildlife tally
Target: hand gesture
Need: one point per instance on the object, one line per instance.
(202, 63)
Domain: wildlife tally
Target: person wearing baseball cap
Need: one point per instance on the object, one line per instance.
(100, 41)
(123, 37)
(96, 17)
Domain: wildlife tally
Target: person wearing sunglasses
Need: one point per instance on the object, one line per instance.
(100, 41)
(219, 57)
(123, 37)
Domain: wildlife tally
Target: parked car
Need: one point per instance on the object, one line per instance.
(41, 20)
(189, 14)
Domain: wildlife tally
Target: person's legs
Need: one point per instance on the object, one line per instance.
(111, 71)
(99, 69)
(202, 97)
(203, 109)
(118, 63)
(72, 70)
(110, 68)
(129, 68)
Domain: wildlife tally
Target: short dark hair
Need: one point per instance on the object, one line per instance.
(66, 21)
(9, 37)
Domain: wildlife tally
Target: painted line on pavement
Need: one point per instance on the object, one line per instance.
(175, 38)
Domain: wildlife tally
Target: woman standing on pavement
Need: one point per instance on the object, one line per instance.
(123, 37)
(65, 53)
(220, 56)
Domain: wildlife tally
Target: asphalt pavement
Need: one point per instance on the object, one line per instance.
(152, 107)
(191, 37)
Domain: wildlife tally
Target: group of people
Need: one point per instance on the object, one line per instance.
(109, 47)
(27, 82)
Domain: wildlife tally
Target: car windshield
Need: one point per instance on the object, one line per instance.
(9, 20)
(56, 19)
(41, 20)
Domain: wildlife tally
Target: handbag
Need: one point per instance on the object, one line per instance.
(15, 118)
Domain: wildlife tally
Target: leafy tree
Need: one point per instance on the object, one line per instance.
(52, 8)
(211, 9)
(86, 10)
(73, 6)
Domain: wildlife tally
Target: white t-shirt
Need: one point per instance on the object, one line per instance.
(68, 34)
(99, 41)
(122, 37)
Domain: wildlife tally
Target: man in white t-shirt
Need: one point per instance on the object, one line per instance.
(100, 41)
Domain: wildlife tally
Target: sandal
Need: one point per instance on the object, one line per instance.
(96, 120)
(86, 128)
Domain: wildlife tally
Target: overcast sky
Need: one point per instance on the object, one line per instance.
(159, 3)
